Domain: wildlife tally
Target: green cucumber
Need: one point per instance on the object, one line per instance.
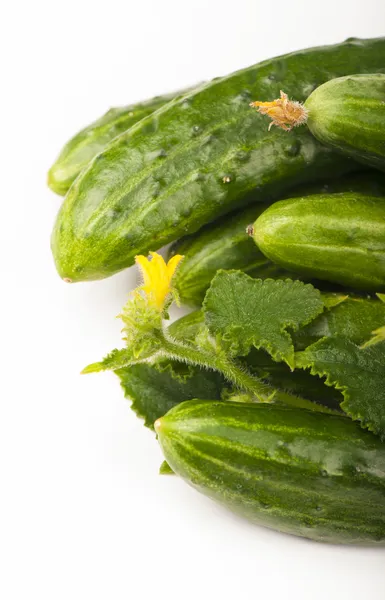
(309, 474)
(335, 237)
(348, 114)
(87, 143)
(224, 245)
(196, 159)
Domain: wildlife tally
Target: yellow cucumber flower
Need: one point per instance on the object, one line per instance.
(157, 276)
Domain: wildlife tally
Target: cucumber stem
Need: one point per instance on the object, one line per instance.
(234, 373)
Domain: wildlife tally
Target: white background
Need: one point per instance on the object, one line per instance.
(84, 514)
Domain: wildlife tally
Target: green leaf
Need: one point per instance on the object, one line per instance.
(354, 319)
(177, 370)
(248, 312)
(154, 392)
(332, 299)
(142, 351)
(358, 373)
(378, 334)
(114, 360)
(165, 469)
(297, 382)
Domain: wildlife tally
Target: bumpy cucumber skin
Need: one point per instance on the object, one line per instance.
(87, 143)
(225, 245)
(196, 159)
(336, 237)
(348, 114)
(311, 475)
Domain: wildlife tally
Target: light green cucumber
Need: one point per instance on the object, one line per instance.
(348, 114)
(333, 237)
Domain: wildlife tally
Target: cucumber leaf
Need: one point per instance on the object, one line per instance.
(246, 312)
(116, 359)
(358, 373)
(154, 392)
(165, 469)
(378, 335)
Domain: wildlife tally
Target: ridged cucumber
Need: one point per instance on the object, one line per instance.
(313, 475)
(224, 245)
(196, 159)
(348, 114)
(336, 237)
(87, 143)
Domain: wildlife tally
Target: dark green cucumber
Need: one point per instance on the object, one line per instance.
(335, 237)
(87, 143)
(312, 475)
(348, 114)
(224, 244)
(196, 159)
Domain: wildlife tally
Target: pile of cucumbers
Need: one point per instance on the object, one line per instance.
(202, 169)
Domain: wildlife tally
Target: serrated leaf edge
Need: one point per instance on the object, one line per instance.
(355, 416)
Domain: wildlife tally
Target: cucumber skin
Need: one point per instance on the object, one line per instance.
(225, 245)
(296, 471)
(348, 114)
(196, 159)
(87, 143)
(337, 237)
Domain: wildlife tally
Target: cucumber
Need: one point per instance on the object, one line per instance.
(312, 475)
(336, 237)
(196, 159)
(348, 114)
(224, 245)
(87, 143)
